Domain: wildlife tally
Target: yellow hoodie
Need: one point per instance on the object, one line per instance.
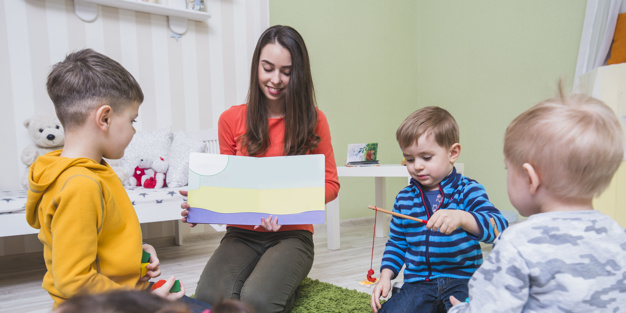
(87, 224)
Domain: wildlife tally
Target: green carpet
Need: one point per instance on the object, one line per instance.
(316, 296)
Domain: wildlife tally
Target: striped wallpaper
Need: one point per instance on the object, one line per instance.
(187, 82)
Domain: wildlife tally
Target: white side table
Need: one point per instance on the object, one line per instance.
(380, 174)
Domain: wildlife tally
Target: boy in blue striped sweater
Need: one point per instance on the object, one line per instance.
(441, 255)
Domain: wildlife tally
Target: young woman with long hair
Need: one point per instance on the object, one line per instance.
(263, 265)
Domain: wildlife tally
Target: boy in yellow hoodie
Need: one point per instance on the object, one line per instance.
(87, 224)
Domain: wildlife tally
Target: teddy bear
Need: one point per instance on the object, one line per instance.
(159, 166)
(46, 133)
(120, 168)
(142, 172)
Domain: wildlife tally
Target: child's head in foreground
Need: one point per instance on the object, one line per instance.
(429, 139)
(121, 301)
(87, 80)
(572, 143)
(89, 86)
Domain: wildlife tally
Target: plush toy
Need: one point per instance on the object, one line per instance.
(142, 172)
(159, 166)
(120, 168)
(46, 133)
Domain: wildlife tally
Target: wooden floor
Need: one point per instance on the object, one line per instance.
(21, 275)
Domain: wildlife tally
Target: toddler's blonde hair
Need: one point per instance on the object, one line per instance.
(574, 142)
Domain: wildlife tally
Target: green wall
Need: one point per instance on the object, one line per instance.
(488, 63)
(374, 62)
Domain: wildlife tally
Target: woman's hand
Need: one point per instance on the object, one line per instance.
(185, 206)
(164, 290)
(269, 224)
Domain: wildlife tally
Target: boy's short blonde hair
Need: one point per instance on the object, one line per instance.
(574, 142)
(431, 119)
(84, 81)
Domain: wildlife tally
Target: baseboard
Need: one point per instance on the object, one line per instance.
(192, 237)
(161, 242)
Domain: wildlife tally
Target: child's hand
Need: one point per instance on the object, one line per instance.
(381, 289)
(454, 300)
(269, 224)
(447, 221)
(164, 290)
(153, 267)
(185, 206)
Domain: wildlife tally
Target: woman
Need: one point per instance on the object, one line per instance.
(263, 265)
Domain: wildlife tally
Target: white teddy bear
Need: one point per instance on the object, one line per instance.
(158, 180)
(150, 173)
(142, 172)
(47, 135)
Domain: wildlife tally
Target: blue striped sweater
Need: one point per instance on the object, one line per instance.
(429, 254)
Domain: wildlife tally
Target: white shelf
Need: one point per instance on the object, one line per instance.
(87, 10)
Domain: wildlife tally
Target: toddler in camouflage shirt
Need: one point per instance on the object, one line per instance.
(567, 257)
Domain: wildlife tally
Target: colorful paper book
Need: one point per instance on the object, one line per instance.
(227, 189)
(362, 154)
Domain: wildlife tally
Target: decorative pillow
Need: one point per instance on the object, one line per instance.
(146, 144)
(618, 49)
(182, 146)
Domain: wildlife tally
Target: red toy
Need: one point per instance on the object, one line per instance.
(142, 172)
(175, 287)
(369, 276)
(157, 180)
(139, 172)
(158, 284)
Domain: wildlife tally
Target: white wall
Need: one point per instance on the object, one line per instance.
(187, 83)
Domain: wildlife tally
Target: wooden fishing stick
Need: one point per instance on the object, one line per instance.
(397, 214)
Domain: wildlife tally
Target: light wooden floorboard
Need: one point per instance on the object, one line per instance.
(21, 275)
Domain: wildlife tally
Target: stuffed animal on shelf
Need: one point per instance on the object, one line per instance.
(159, 166)
(142, 172)
(46, 133)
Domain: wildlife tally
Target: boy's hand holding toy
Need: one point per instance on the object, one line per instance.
(150, 264)
(171, 289)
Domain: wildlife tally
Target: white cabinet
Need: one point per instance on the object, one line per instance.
(87, 10)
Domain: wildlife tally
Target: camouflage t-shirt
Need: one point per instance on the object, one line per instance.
(553, 262)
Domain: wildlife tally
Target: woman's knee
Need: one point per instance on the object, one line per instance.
(265, 299)
(207, 293)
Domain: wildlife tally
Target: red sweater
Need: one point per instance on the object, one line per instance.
(232, 125)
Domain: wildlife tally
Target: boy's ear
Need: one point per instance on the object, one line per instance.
(533, 178)
(103, 117)
(454, 152)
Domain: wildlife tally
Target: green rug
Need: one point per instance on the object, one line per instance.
(316, 296)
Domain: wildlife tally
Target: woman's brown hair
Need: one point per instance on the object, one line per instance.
(300, 105)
